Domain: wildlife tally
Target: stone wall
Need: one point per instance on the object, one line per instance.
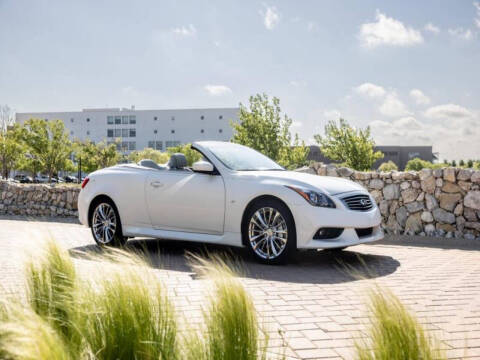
(38, 199)
(441, 202)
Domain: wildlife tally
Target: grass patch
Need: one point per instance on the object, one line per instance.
(394, 333)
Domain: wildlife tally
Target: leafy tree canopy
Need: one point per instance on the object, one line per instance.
(149, 153)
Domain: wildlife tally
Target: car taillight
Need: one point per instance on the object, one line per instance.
(85, 182)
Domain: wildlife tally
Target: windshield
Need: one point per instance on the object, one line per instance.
(242, 158)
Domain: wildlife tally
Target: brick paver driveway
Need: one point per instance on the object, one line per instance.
(318, 305)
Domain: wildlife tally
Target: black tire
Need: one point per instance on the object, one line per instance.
(336, 250)
(279, 231)
(113, 236)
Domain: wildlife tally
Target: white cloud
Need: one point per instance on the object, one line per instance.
(465, 34)
(477, 19)
(217, 90)
(419, 97)
(186, 31)
(370, 90)
(447, 111)
(393, 106)
(297, 124)
(271, 17)
(332, 114)
(408, 122)
(388, 31)
(298, 83)
(432, 28)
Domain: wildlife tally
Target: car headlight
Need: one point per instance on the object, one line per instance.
(315, 198)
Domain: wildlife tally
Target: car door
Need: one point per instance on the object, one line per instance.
(183, 200)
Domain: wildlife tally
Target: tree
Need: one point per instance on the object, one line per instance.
(454, 163)
(388, 166)
(417, 164)
(48, 143)
(352, 147)
(262, 127)
(191, 154)
(461, 163)
(149, 153)
(11, 150)
(96, 156)
(470, 163)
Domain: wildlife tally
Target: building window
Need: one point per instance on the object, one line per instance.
(202, 117)
(220, 117)
(118, 120)
(118, 132)
(169, 144)
(88, 132)
(71, 132)
(119, 146)
(220, 131)
(158, 145)
(155, 118)
(202, 131)
(151, 144)
(71, 120)
(124, 119)
(172, 131)
(133, 119)
(110, 120)
(173, 118)
(133, 133)
(109, 132)
(132, 145)
(88, 119)
(124, 132)
(155, 131)
(125, 146)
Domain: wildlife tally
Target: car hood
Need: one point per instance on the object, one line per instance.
(327, 184)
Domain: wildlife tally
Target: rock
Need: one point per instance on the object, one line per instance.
(473, 225)
(429, 229)
(472, 200)
(391, 191)
(458, 209)
(322, 171)
(345, 172)
(431, 202)
(427, 217)
(443, 216)
(414, 206)
(464, 174)
(332, 171)
(421, 197)
(409, 195)
(360, 175)
(376, 184)
(383, 206)
(404, 185)
(464, 185)
(393, 207)
(425, 173)
(445, 227)
(475, 177)
(469, 214)
(438, 173)
(377, 195)
(469, 236)
(401, 216)
(451, 188)
(439, 182)
(449, 174)
(415, 184)
(414, 223)
(449, 201)
(306, 169)
(393, 225)
(398, 176)
(460, 221)
(428, 184)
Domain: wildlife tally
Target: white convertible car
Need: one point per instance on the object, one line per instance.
(233, 196)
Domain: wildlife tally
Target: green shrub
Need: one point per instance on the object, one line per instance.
(417, 164)
(388, 166)
(394, 333)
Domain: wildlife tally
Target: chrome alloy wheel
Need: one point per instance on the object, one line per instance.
(104, 223)
(267, 233)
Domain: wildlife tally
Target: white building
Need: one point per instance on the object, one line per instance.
(138, 129)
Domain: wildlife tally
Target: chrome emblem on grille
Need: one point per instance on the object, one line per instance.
(363, 202)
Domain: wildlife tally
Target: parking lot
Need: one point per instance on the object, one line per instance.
(317, 301)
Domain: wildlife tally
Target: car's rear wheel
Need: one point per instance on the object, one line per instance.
(106, 225)
(269, 231)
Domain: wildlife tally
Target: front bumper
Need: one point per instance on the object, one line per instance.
(308, 219)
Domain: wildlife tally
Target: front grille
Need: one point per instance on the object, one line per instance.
(364, 232)
(358, 202)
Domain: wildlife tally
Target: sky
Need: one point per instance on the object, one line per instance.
(408, 69)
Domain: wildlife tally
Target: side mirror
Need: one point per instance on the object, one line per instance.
(202, 167)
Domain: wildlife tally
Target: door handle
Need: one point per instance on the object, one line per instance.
(156, 184)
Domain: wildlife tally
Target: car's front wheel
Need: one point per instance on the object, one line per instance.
(106, 225)
(269, 231)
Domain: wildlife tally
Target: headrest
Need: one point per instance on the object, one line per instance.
(177, 161)
(149, 163)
